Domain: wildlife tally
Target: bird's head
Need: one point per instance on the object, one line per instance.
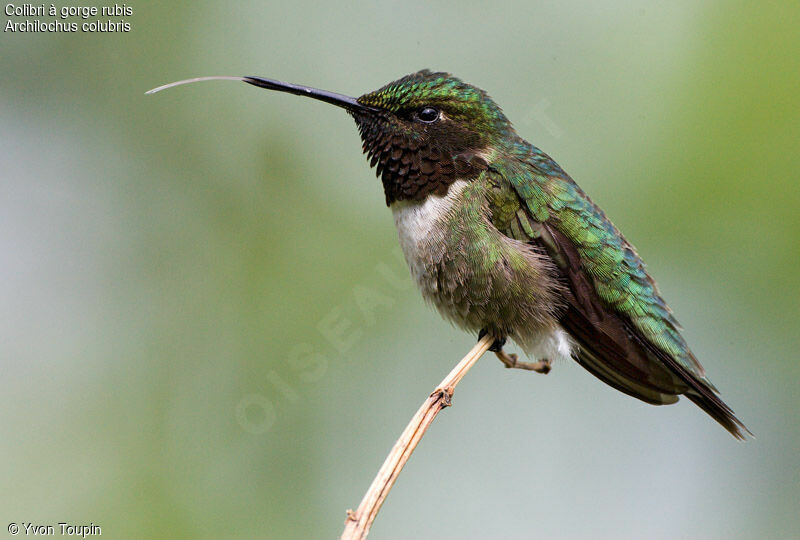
(425, 130)
(421, 132)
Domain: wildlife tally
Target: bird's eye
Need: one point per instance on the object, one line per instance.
(428, 115)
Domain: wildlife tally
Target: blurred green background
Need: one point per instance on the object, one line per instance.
(175, 269)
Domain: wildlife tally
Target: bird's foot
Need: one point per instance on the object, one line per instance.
(512, 360)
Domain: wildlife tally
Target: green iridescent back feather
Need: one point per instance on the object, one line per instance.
(618, 273)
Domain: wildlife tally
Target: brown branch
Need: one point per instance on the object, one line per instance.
(358, 523)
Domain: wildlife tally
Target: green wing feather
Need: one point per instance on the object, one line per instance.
(627, 334)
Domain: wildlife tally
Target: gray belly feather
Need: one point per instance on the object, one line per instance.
(477, 277)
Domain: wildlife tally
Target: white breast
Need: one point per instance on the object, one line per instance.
(420, 225)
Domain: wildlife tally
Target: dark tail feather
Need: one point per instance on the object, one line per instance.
(719, 411)
(707, 399)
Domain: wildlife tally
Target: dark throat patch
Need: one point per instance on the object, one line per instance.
(412, 169)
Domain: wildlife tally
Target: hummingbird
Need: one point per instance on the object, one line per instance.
(501, 241)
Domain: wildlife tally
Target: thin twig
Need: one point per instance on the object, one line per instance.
(358, 522)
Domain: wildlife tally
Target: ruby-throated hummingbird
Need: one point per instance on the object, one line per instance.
(501, 240)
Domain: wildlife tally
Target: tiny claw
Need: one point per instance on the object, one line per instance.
(545, 367)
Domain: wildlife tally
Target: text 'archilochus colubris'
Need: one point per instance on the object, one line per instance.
(501, 240)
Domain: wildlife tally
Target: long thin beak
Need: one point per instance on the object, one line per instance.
(340, 100)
